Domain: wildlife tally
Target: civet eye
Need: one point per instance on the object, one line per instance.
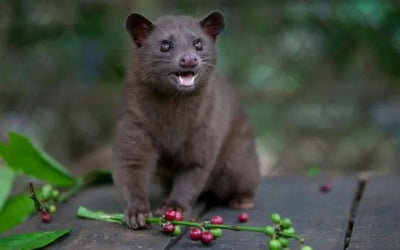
(198, 44)
(165, 46)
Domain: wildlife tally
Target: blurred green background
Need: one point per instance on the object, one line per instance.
(319, 79)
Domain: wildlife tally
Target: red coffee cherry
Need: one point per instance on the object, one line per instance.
(46, 217)
(178, 216)
(217, 220)
(243, 217)
(170, 215)
(207, 237)
(169, 228)
(195, 233)
(325, 187)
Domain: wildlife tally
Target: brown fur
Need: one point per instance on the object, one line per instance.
(200, 137)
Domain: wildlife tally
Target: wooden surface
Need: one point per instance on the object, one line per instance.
(377, 224)
(91, 234)
(322, 218)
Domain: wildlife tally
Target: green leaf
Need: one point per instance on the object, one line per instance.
(31, 240)
(6, 182)
(15, 210)
(101, 216)
(20, 154)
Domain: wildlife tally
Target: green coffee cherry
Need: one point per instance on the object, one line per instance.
(46, 191)
(286, 223)
(289, 231)
(275, 218)
(177, 230)
(269, 230)
(275, 245)
(306, 248)
(53, 209)
(216, 232)
(55, 194)
(284, 242)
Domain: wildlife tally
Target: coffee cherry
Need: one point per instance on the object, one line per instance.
(178, 216)
(52, 209)
(207, 237)
(275, 245)
(216, 232)
(275, 218)
(284, 242)
(170, 215)
(46, 191)
(306, 248)
(325, 187)
(269, 230)
(169, 228)
(289, 231)
(46, 217)
(177, 231)
(286, 223)
(55, 194)
(195, 233)
(217, 220)
(243, 217)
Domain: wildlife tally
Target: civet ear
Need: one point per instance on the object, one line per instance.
(213, 24)
(139, 28)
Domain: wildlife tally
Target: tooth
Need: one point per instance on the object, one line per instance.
(180, 80)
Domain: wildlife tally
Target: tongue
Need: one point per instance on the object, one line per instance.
(186, 80)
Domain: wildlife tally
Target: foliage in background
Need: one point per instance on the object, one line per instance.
(313, 75)
(6, 181)
(23, 157)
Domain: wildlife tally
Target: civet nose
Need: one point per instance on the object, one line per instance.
(188, 61)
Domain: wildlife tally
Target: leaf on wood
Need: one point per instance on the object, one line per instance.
(16, 210)
(21, 155)
(31, 240)
(101, 216)
(6, 182)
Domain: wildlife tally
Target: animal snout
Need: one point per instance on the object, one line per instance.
(188, 61)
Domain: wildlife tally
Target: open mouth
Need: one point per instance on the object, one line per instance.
(185, 78)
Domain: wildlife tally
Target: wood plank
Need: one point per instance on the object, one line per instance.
(377, 223)
(321, 217)
(90, 234)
